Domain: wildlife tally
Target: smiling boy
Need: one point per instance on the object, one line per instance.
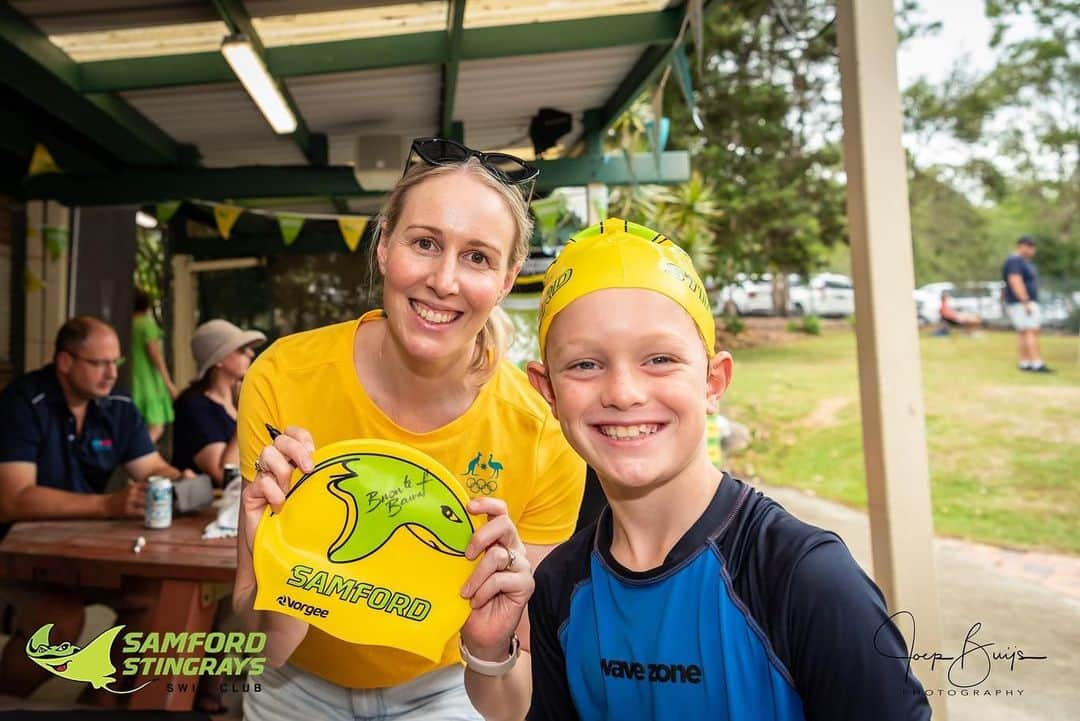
(693, 595)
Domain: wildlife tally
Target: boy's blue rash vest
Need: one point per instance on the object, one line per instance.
(753, 616)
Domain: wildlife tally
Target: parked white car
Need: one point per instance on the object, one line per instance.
(751, 296)
(827, 294)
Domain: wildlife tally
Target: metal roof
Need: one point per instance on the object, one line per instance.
(141, 84)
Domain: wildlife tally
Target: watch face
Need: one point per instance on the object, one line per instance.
(370, 547)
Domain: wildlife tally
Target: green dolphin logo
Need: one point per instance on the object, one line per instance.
(90, 665)
(382, 494)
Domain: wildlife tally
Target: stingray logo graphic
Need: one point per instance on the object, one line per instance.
(383, 494)
(91, 665)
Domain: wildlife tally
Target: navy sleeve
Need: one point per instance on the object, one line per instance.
(20, 439)
(1013, 265)
(198, 424)
(551, 698)
(846, 655)
(132, 429)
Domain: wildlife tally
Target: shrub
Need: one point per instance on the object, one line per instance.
(734, 324)
(809, 324)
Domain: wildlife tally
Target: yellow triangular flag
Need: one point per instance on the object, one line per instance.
(352, 228)
(42, 162)
(226, 216)
(31, 283)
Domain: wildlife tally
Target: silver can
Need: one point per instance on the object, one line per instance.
(231, 471)
(159, 502)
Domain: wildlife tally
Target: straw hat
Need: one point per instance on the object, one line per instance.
(215, 339)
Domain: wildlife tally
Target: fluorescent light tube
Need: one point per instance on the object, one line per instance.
(256, 79)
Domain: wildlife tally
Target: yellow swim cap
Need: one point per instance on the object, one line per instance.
(370, 548)
(620, 254)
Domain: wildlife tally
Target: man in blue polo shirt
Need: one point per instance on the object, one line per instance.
(1022, 303)
(61, 437)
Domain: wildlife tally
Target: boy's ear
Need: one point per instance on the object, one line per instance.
(538, 377)
(719, 378)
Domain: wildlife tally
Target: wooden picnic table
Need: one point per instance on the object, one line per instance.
(180, 576)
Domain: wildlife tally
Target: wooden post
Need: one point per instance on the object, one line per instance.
(185, 294)
(890, 372)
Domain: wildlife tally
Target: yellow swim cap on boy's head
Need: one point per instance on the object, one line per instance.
(620, 254)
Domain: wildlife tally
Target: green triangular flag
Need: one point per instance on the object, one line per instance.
(56, 241)
(290, 225)
(164, 211)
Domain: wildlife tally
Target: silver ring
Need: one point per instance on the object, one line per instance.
(511, 557)
(258, 467)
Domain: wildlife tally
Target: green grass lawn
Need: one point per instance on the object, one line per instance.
(1004, 445)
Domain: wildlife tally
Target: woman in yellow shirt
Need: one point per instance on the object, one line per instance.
(427, 370)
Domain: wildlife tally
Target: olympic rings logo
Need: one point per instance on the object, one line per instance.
(479, 485)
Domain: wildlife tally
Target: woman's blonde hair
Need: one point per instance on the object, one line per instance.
(497, 334)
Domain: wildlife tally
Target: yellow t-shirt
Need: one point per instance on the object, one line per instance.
(506, 445)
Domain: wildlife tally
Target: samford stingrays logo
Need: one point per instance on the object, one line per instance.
(91, 665)
(171, 654)
(383, 494)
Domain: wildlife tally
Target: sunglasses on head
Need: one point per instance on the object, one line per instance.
(503, 167)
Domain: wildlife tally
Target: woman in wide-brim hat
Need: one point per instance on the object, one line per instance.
(204, 434)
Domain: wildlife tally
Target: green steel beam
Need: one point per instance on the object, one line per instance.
(150, 186)
(427, 48)
(614, 169)
(15, 137)
(644, 73)
(235, 16)
(18, 136)
(455, 22)
(38, 70)
(220, 184)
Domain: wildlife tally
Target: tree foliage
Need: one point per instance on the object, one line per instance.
(768, 147)
(1020, 123)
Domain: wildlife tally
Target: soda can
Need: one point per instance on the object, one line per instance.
(159, 502)
(231, 471)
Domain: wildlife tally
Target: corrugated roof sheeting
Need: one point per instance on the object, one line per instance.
(221, 120)
(82, 16)
(497, 98)
(400, 101)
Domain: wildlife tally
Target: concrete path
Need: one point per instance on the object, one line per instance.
(1023, 600)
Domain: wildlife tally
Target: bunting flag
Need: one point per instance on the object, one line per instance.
(686, 84)
(42, 162)
(290, 225)
(226, 216)
(56, 241)
(165, 211)
(352, 228)
(31, 283)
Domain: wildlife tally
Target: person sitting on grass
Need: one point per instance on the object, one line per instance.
(952, 317)
(693, 593)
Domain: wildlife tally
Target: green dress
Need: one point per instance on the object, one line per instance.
(147, 386)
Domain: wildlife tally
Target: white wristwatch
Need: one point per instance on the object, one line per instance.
(491, 668)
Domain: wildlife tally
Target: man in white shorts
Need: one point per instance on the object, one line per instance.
(1022, 303)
